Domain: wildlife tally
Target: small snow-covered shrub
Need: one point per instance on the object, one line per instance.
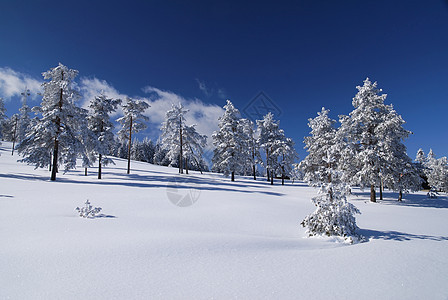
(334, 215)
(432, 194)
(88, 211)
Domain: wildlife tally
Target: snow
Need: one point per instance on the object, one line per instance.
(238, 240)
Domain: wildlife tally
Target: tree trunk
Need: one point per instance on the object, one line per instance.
(99, 166)
(129, 147)
(233, 176)
(372, 193)
(85, 171)
(55, 159)
(267, 168)
(400, 195)
(268, 174)
(253, 171)
(381, 189)
(186, 165)
(14, 137)
(181, 170)
(272, 177)
(56, 141)
(49, 169)
(283, 175)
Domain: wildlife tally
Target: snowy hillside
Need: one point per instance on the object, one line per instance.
(239, 239)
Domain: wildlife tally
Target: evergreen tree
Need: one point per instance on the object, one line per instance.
(160, 156)
(59, 131)
(251, 150)
(194, 144)
(228, 142)
(362, 133)
(397, 170)
(24, 117)
(184, 145)
(101, 128)
(437, 172)
(334, 216)
(321, 140)
(172, 135)
(132, 122)
(2, 116)
(269, 140)
(287, 156)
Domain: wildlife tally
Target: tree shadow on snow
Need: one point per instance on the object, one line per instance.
(6, 196)
(409, 200)
(150, 181)
(103, 216)
(398, 236)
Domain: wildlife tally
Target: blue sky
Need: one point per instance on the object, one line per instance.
(302, 54)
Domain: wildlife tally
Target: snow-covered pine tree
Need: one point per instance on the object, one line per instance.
(362, 155)
(194, 144)
(397, 170)
(132, 122)
(160, 155)
(183, 143)
(148, 149)
(269, 140)
(171, 139)
(9, 129)
(228, 142)
(24, 117)
(287, 156)
(322, 138)
(2, 118)
(58, 133)
(251, 150)
(437, 172)
(420, 164)
(101, 128)
(334, 215)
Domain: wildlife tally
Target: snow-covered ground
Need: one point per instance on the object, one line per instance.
(238, 240)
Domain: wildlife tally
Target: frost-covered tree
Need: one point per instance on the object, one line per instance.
(322, 138)
(251, 151)
(363, 132)
(143, 151)
(437, 172)
(182, 143)
(2, 115)
(132, 121)
(194, 144)
(270, 138)
(101, 128)
(172, 135)
(59, 132)
(397, 170)
(24, 117)
(228, 142)
(2, 118)
(334, 215)
(287, 156)
(160, 155)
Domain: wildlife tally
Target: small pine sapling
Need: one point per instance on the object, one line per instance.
(88, 211)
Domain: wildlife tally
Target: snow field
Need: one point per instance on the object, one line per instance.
(239, 240)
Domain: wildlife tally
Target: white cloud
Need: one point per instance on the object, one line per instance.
(204, 116)
(92, 87)
(13, 83)
(210, 91)
(203, 87)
